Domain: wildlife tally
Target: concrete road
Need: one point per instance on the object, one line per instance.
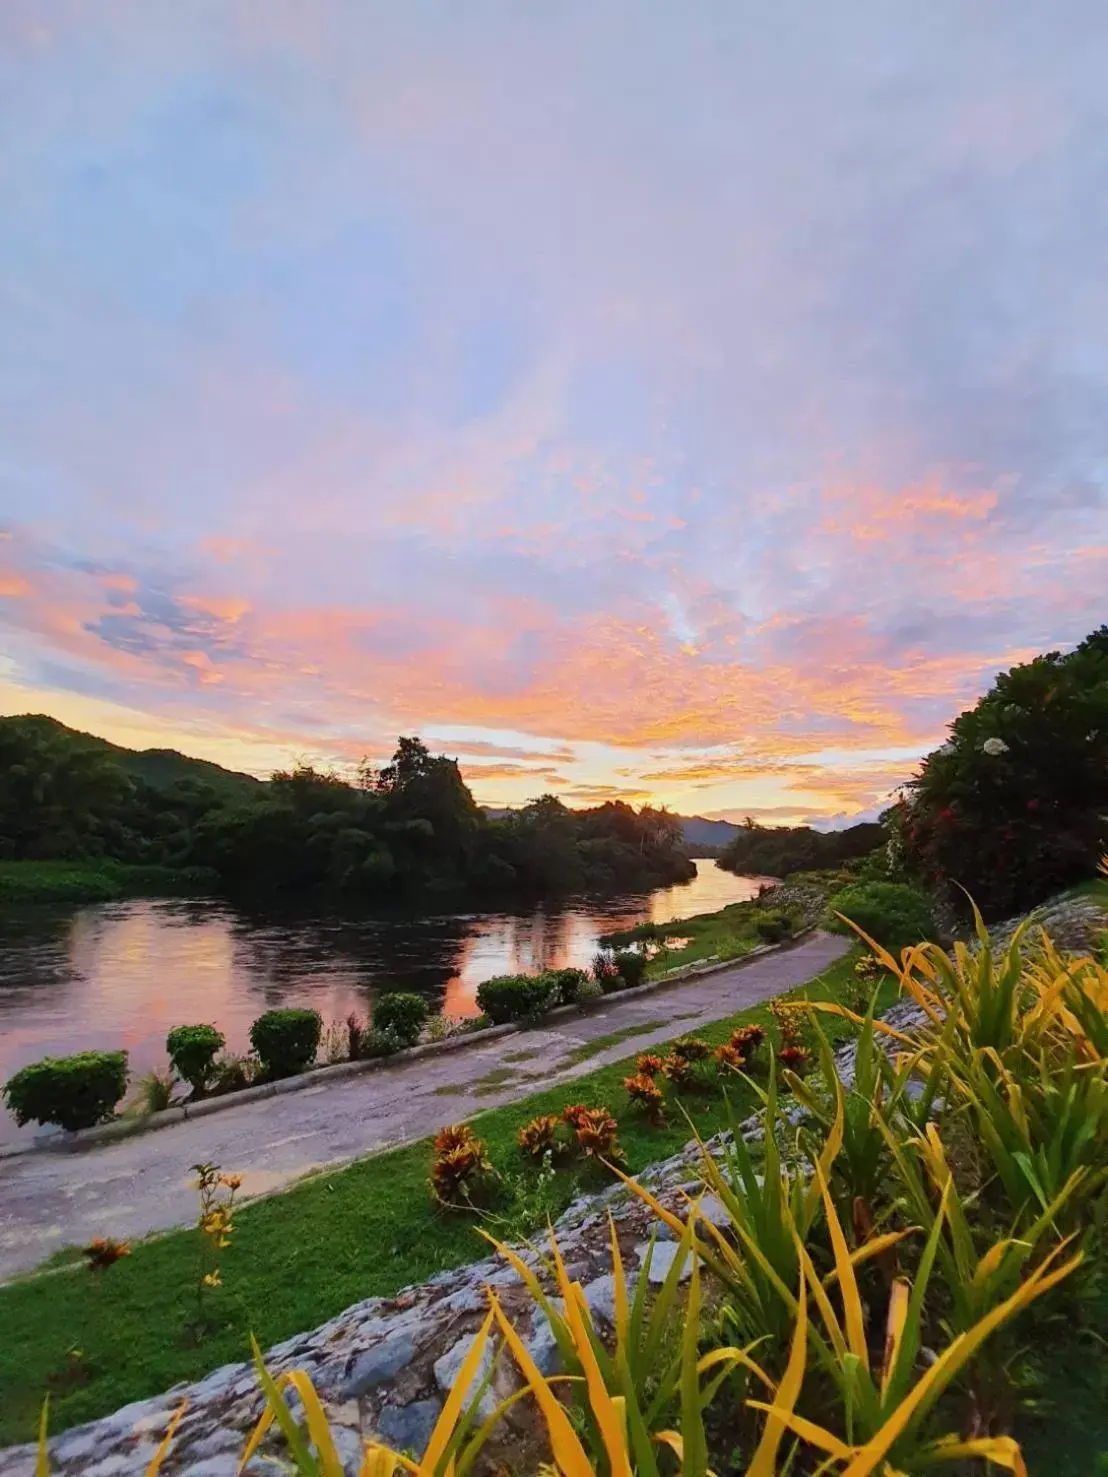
(138, 1185)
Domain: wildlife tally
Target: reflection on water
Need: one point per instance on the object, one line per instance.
(121, 974)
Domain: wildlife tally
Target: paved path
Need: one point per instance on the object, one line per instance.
(142, 1184)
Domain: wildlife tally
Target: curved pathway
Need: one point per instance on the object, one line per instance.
(142, 1184)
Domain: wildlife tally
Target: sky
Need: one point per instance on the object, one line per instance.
(694, 404)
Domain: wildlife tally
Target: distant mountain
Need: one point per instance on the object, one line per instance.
(699, 831)
(159, 768)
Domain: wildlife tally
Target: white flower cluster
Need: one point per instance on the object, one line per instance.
(995, 746)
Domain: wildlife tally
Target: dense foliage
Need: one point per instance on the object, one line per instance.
(514, 997)
(1015, 804)
(777, 851)
(409, 828)
(286, 1040)
(192, 1051)
(401, 1014)
(71, 1091)
(893, 914)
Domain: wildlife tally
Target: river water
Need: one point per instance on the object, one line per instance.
(121, 974)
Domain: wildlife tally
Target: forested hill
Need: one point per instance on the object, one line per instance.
(775, 851)
(159, 768)
(407, 829)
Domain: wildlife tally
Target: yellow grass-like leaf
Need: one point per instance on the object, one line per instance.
(764, 1461)
(455, 1401)
(853, 1317)
(894, 1328)
(163, 1449)
(1001, 1451)
(570, 1456)
(619, 1282)
(610, 1419)
(928, 1388)
(42, 1455)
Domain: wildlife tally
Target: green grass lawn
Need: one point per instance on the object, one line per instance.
(94, 881)
(298, 1258)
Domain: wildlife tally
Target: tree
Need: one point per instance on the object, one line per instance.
(1013, 805)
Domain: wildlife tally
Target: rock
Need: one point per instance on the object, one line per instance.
(465, 1300)
(661, 1260)
(213, 1466)
(600, 1295)
(76, 1445)
(542, 1345)
(448, 1367)
(380, 1363)
(407, 1428)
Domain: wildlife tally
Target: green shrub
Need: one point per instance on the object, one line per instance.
(401, 1014)
(71, 1091)
(631, 967)
(515, 997)
(378, 1042)
(566, 984)
(893, 913)
(772, 928)
(192, 1053)
(286, 1040)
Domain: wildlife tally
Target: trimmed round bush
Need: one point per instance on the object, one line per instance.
(192, 1053)
(286, 1040)
(566, 984)
(515, 997)
(893, 913)
(71, 1091)
(631, 967)
(773, 928)
(401, 1015)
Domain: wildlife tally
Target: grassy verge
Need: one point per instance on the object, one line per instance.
(95, 881)
(729, 933)
(297, 1258)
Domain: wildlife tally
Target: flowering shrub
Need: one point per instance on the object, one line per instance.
(543, 1135)
(460, 1171)
(679, 1070)
(645, 1092)
(691, 1049)
(795, 1058)
(648, 1064)
(747, 1039)
(786, 1021)
(597, 1131)
(215, 1224)
(1013, 805)
(103, 1252)
(730, 1058)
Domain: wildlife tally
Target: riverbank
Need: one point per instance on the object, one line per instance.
(100, 881)
(345, 1233)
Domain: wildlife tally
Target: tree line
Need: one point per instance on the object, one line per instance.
(409, 828)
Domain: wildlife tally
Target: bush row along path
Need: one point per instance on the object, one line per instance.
(144, 1184)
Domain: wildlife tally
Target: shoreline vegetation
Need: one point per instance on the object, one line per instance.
(407, 832)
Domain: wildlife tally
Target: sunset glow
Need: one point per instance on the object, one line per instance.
(694, 405)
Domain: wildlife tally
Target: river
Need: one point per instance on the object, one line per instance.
(121, 974)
